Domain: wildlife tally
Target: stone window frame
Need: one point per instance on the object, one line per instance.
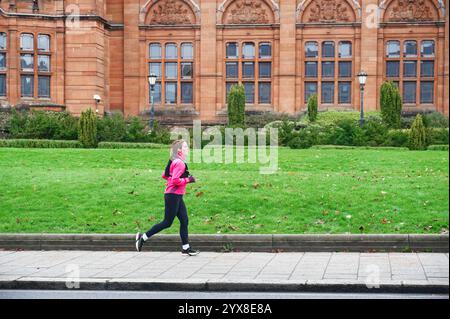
(179, 80)
(336, 79)
(418, 79)
(35, 72)
(4, 71)
(256, 79)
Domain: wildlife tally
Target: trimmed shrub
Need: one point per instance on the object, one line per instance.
(438, 148)
(374, 132)
(118, 145)
(37, 143)
(87, 129)
(397, 138)
(417, 135)
(346, 132)
(312, 108)
(437, 136)
(135, 130)
(435, 120)
(159, 135)
(111, 128)
(391, 105)
(36, 124)
(236, 106)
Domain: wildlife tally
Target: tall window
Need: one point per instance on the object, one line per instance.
(250, 64)
(3, 51)
(174, 69)
(35, 57)
(330, 70)
(411, 65)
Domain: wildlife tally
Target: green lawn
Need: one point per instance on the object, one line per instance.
(315, 191)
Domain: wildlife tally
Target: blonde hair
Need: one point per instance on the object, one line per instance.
(176, 146)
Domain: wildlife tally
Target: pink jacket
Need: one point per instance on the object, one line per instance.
(175, 184)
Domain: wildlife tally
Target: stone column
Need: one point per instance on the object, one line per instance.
(208, 72)
(131, 56)
(287, 57)
(369, 56)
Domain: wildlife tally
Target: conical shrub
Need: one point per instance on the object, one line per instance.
(87, 129)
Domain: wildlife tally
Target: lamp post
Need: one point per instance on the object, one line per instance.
(152, 81)
(362, 77)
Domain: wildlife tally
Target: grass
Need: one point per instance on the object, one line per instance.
(314, 191)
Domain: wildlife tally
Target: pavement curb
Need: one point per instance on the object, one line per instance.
(235, 286)
(219, 242)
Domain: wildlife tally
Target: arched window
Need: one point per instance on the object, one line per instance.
(3, 54)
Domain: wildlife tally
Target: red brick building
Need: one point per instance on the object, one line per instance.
(59, 53)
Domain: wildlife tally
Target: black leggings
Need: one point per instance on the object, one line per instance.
(174, 206)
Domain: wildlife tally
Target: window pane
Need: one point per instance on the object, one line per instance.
(345, 92)
(248, 51)
(264, 92)
(393, 49)
(409, 92)
(186, 92)
(427, 50)
(44, 63)
(43, 86)
(345, 69)
(231, 69)
(410, 49)
(187, 51)
(43, 42)
(171, 51)
(156, 93)
(249, 92)
(409, 68)
(171, 93)
(186, 70)
(2, 85)
(426, 92)
(26, 42)
(248, 70)
(2, 41)
(265, 50)
(27, 62)
(328, 49)
(171, 70)
(345, 49)
(328, 69)
(265, 70)
(26, 85)
(2, 61)
(311, 69)
(311, 50)
(155, 51)
(427, 69)
(327, 92)
(310, 88)
(155, 68)
(232, 51)
(393, 69)
(228, 88)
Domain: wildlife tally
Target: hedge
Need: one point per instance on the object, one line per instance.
(345, 147)
(37, 143)
(116, 145)
(438, 148)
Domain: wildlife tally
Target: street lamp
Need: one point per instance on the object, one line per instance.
(362, 77)
(152, 80)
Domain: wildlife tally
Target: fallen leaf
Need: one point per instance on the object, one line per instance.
(199, 194)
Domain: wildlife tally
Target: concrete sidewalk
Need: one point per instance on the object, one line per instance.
(210, 271)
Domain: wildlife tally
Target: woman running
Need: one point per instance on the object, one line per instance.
(177, 176)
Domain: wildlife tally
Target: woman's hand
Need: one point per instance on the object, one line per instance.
(191, 179)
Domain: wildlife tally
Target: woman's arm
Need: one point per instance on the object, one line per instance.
(178, 170)
(164, 176)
